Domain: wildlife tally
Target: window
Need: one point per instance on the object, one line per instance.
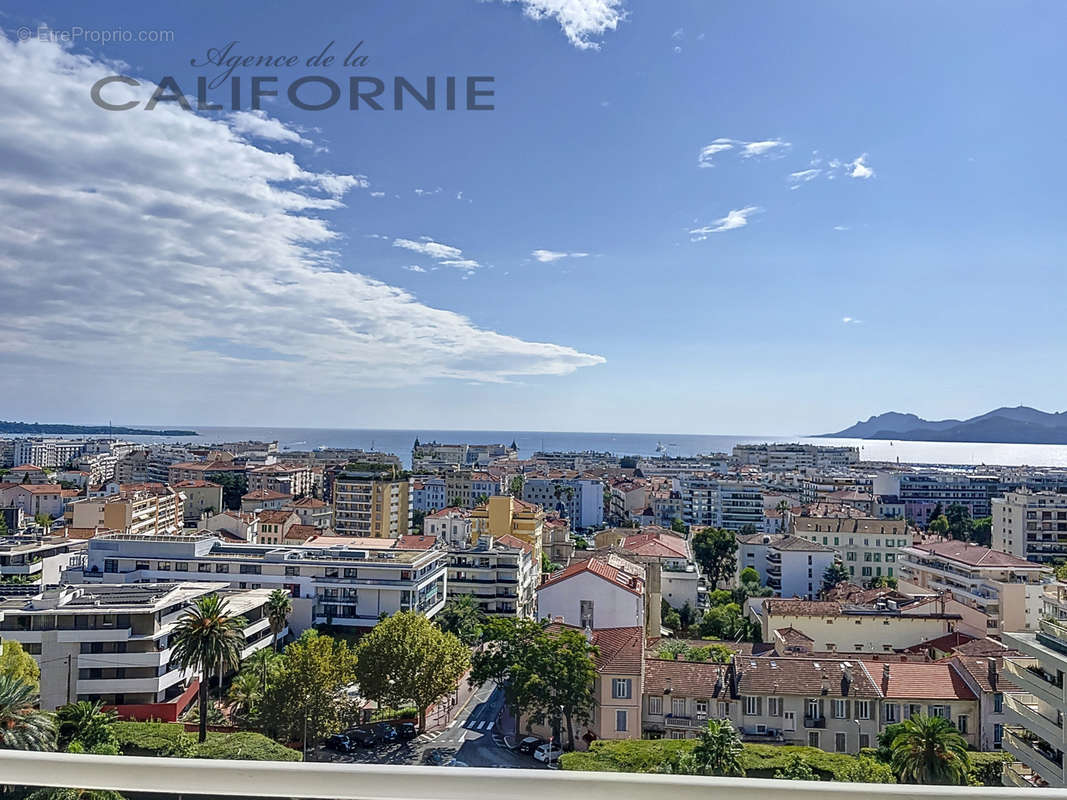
(330, 572)
(251, 569)
(678, 707)
(586, 614)
(840, 709)
(863, 709)
(813, 738)
(940, 711)
(866, 572)
(621, 689)
(998, 703)
(961, 723)
(111, 565)
(203, 568)
(998, 733)
(222, 568)
(655, 705)
(142, 565)
(850, 556)
(181, 566)
(702, 708)
(753, 706)
(620, 720)
(840, 743)
(163, 566)
(350, 572)
(812, 709)
(865, 740)
(292, 572)
(774, 706)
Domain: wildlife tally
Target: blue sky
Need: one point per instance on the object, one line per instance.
(896, 165)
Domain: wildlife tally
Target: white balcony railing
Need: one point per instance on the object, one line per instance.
(172, 777)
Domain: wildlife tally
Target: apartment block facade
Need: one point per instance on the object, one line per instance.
(371, 504)
(1031, 525)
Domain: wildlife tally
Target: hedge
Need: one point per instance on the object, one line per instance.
(156, 738)
(758, 760)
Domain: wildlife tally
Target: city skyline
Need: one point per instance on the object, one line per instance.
(657, 220)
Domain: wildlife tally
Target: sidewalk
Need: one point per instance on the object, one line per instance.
(440, 716)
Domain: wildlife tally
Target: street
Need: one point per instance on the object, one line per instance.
(473, 738)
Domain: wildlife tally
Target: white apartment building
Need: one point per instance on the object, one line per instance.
(340, 584)
(580, 500)
(1009, 591)
(145, 508)
(790, 565)
(792, 457)
(498, 572)
(40, 561)
(596, 593)
(428, 493)
(112, 642)
(47, 452)
(868, 547)
(450, 526)
(1031, 525)
(34, 498)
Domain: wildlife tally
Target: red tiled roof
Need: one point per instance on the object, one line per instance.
(975, 555)
(656, 544)
(917, 681)
(275, 517)
(601, 569)
(39, 488)
(514, 541)
(308, 502)
(945, 643)
(415, 542)
(264, 494)
(195, 485)
(26, 468)
(620, 650)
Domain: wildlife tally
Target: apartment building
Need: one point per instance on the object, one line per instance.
(790, 565)
(433, 456)
(833, 704)
(263, 500)
(466, 489)
(740, 506)
(428, 493)
(793, 457)
(201, 497)
(46, 452)
(112, 643)
(237, 526)
(499, 573)
(626, 495)
(867, 546)
(282, 527)
(679, 577)
(312, 511)
(1007, 590)
(292, 480)
(595, 593)
(38, 560)
(1031, 525)
(34, 498)
(1035, 717)
(147, 508)
(450, 526)
(371, 504)
(206, 471)
(921, 492)
(833, 626)
(504, 514)
(351, 582)
(580, 500)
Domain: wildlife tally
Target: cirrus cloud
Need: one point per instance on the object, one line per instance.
(737, 218)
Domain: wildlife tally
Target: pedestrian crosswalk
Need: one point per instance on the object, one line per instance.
(478, 725)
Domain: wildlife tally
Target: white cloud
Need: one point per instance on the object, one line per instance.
(258, 124)
(445, 254)
(678, 34)
(413, 268)
(769, 148)
(377, 194)
(851, 320)
(859, 169)
(579, 19)
(428, 192)
(797, 178)
(156, 250)
(841, 227)
(547, 256)
(738, 218)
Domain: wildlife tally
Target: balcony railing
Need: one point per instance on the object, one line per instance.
(814, 722)
(171, 778)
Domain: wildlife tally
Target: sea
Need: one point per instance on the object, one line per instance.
(636, 444)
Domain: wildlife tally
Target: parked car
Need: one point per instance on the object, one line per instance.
(385, 732)
(456, 763)
(407, 730)
(529, 744)
(547, 753)
(364, 737)
(339, 743)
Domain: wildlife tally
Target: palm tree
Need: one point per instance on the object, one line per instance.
(279, 607)
(22, 725)
(719, 750)
(929, 750)
(245, 692)
(86, 722)
(207, 636)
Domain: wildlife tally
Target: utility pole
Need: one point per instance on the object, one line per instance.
(68, 678)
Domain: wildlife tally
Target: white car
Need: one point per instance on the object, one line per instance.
(547, 753)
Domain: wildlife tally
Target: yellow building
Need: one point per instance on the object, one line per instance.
(503, 515)
(372, 505)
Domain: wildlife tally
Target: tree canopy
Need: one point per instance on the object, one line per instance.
(463, 617)
(715, 549)
(17, 663)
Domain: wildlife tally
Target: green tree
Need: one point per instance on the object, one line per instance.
(718, 752)
(208, 637)
(307, 692)
(687, 615)
(279, 607)
(929, 750)
(749, 585)
(796, 768)
(44, 520)
(865, 769)
(462, 616)
(834, 574)
(669, 616)
(17, 663)
(982, 531)
(959, 519)
(938, 511)
(749, 575)
(3, 525)
(715, 549)
(22, 725)
(418, 517)
(882, 582)
(672, 650)
(246, 693)
(547, 674)
(87, 723)
(725, 622)
(515, 485)
(678, 526)
(407, 659)
(938, 525)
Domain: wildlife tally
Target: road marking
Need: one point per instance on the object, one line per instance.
(489, 727)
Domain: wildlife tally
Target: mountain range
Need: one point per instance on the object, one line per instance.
(1019, 425)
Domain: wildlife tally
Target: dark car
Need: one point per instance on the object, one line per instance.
(385, 732)
(364, 737)
(407, 730)
(339, 743)
(529, 744)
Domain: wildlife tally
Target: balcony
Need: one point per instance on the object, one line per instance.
(673, 721)
(1018, 774)
(1024, 710)
(1033, 680)
(814, 722)
(1038, 756)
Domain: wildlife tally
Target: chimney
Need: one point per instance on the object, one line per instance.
(993, 676)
